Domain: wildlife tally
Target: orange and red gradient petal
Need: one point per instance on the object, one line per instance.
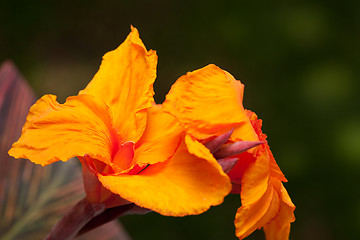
(208, 102)
(125, 83)
(56, 131)
(183, 185)
(160, 140)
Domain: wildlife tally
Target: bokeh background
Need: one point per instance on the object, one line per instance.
(299, 62)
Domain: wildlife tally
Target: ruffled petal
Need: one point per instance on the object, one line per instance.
(259, 201)
(265, 202)
(183, 185)
(125, 83)
(160, 140)
(208, 102)
(56, 131)
(279, 227)
(273, 211)
(255, 215)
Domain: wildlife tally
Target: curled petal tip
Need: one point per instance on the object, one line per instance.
(233, 149)
(217, 142)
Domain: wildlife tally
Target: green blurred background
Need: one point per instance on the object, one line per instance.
(299, 62)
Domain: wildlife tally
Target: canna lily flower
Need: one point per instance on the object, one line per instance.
(208, 104)
(130, 149)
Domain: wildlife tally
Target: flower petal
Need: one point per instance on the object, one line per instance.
(56, 131)
(198, 149)
(208, 102)
(255, 180)
(251, 217)
(265, 202)
(123, 157)
(265, 148)
(273, 211)
(183, 185)
(161, 138)
(125, 83)
(260, 202)
(279, 227)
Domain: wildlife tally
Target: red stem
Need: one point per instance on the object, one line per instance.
(74, 220)
(112, 213)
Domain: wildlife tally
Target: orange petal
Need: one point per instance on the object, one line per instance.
(161, 138)
(123, 157)
(254, 182)
(198, 149)
(255, 215)
(275, 169)
(273, 211)
(265, 202)
(56, 131)
(208, 102)
(279, 227)
(125, 83)
(259, 202)
(183, 185)
(265, 149)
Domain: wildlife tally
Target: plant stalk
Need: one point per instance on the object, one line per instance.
(74, 220)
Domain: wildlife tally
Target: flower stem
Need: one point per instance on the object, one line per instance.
(112, 213)
(71, 223)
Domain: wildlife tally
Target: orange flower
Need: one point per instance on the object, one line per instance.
(208, 104)
(130, 149)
